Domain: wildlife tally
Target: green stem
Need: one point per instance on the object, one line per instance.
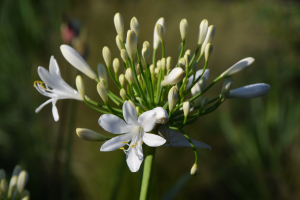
(163, 49)
(153, 57)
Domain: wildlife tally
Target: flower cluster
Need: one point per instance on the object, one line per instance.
(154, 94)
(15, 188)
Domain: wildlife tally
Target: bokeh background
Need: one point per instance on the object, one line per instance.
(255, 143)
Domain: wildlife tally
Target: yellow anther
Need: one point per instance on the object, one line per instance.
(133, 146)
(122, 148)
(41, 83)
(124, 142)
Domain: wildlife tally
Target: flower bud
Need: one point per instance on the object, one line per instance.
(157, 70)
(162, 116)
(186, 107)
(163, 63)
(119, 24)
(119, 42)
(129, 75)
(175, 76)
(208, 51)
(22, 180)
(173, 97)
(196, 90)
(3, 186)
(152, 69)
(250, 91)
(138, 69)
(123, 94)
(77, 61)
(188, 52)
(194, 67)
(204, 102)
(146, 44)
(242, 64)
(102, 91)
(156, 38)
(140, 79)
(134, 25)
(131, 43)
(16, 170)
(226, 87)
(194, 170)
(80, 86)
(182, 63)
(169, 63)
(183, 28)
(158, 64)
(202, 31)
(12, 186)
(124, 55)
(107, 56)
(116, 65)
(160, 32)
(89, 135)
(208, 39)
(146, 55)
(122, 80)
(187, 60)
(102, 73)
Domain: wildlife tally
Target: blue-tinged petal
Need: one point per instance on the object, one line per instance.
(134, 160)
(153, 140)
(114, 124)
(116, 142)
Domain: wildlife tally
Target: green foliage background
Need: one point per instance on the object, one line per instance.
(255, 143)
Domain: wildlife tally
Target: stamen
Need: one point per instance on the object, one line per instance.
(124, 142)
(40, 83)
(122, 148)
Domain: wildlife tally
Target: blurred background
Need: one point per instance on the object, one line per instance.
(255, 143)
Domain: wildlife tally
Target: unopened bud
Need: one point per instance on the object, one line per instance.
(134, 25)
(250, 91)
(188, 52)
(157, 70)
(146, 44)
(202, 31)
(152, 69)
(119, 24)
(163, 63)
(116, 65)
(137, 110)
(160, 32)
(80, 86)
(122, 80)
(12, 186)
(173, 97)
(196, 90)
(175, 76)
(162, 116)
(131, 42)
(208, 39)
(208, 51)
(102, 73)
(107, 56)
(226, 87)
(183, 26)
(22, 180)
(158, 64)
(129, 75)
(102, 91)
(194, 170)
(124, 55)
(3, 186)
(182, 63)
(156, 38)
(138, 69)
(119, 42)
(89, 135)
(169, 63)
(123, 94)
(186, 108)
(146, 54)
(187, 60)
(242, 64)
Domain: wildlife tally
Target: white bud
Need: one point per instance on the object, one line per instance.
(226, 87)
(175, 76)
(146, 44)
(160, 32)
(22, 180)
(208, 51)
(188, 52)
(119, 42)
(250, 91)
(158, 64)
(157, 70)
(134, 25)
(182, 63)
(183, 28)
(12, 186)
(162, 116)
(152, 69)
(187, 60)
(122, 80)
(194, 170)
(202, 31)
(156, 39)
(163, 63)
(186, 107)
(116, 65)
(123, 94)
(241, 65)
(102, 73)
(107, 56)
(124, 55)
(80, 86)
(77, 61)
(173, 97)
(3, 186)
(146, 55)
(89, 135)
(102, 91)
(208, 39)
(138, 69)
(129, 75)
(131, 43)
(196, 90)
(169, 63)
(119, 24)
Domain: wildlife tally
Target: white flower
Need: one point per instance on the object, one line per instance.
(177, 139)
(54, 86)
(250, 91)
(135, 133)
(162, 116)
(198, 73)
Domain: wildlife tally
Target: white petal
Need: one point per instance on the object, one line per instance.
(153, 140)
(48, 79)
(54, 110)
(77, 61)
(42, 106)
(250, 91)
(241, 65)
(116, 142)
(147, 120)
(133, 160)
(114, 124)
(129, 114)
(53, 68)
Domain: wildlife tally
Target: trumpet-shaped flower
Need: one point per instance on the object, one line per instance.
(136, 132)
(54, 86)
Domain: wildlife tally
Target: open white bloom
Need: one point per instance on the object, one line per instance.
(177, 139)
(250, 91)
(135, 133)
(198, 73)
(54, 86)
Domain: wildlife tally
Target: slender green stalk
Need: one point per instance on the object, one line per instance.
(163, 49)
(191, 143)
(181, 52)
(153, 56)
(97, 109)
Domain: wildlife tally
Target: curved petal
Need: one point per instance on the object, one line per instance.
(48, 79)
(116, 142)
(147, 120)
(114, 124)
(133, 160)
(153, 140)
(54, 110)
(129, 114)
(42, 106)
(53, 68)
